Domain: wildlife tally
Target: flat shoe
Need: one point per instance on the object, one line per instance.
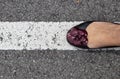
(77, 35)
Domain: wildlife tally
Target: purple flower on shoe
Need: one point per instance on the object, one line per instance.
(77, 37)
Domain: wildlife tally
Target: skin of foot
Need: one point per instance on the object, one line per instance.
(102, 34)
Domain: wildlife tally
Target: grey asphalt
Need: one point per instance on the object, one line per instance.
(59, 10)
(54, 64)
(36, 64)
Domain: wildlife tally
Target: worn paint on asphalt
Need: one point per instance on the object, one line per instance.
(35, 35)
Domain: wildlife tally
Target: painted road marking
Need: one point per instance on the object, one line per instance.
(35, 35)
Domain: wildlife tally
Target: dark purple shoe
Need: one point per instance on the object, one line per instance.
(77, 36)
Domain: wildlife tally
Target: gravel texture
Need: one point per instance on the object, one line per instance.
(60, 64)
(54, 64)
(59, 10)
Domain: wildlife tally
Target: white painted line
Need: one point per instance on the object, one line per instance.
(35, 35)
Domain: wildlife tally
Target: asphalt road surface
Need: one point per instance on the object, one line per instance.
(59, 64)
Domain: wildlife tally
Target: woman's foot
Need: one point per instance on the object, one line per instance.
(94, 35)
(103, 34)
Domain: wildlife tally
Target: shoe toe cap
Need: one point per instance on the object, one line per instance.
(77, 37)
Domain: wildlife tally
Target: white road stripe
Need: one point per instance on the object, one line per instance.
(35, 35)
